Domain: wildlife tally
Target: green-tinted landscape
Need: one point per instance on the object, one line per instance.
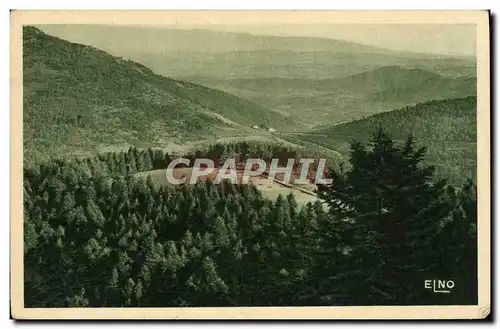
(102, 103)
(226, 55)
(107, 108)
(446, 128)
(78, 99)
(343, 99)
(315, 80)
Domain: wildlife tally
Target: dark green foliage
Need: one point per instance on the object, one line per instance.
(387, 217)
(457, 245)
(96, 235)
(99, 232)
(447, 128)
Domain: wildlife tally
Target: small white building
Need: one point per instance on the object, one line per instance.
(271, 130)
(255, 127)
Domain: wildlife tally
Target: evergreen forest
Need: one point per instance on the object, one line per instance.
(97, 235)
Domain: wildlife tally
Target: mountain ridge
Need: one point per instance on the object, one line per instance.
(84, 97)
(168, 34)
(180, 52)
(316, 101)
(380, 72)
(447, 128)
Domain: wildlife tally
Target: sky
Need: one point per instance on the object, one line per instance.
(451, 39)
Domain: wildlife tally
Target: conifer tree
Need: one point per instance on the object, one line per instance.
(96, 235)
(456, 249)
(386, 209)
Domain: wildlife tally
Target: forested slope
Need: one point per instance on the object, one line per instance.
(447, 128)
(95, 235)
(77, 97)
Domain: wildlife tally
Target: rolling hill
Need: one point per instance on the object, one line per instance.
(315, 80)
(446, 127)
(347, 98)
(369, 82)
(79, 99)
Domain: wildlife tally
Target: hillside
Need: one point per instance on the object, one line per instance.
(372, 81)
(96, 235)
(80, 99)
(314, 80)
(316, 101)
(447, 128)
(395, 83)
(104, 226)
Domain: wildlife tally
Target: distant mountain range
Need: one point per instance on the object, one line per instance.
(78, 98)
(223, 55)
(368, 82)
(150, 39)
(347, 98)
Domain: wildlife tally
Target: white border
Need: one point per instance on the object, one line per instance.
(186, 4)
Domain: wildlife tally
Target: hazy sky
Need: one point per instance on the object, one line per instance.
(450, 39)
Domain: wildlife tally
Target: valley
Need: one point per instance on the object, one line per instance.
(102, 103)
(107, 108)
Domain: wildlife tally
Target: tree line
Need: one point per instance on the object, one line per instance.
(97, 235)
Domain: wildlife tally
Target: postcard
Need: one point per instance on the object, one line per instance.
(250, 165)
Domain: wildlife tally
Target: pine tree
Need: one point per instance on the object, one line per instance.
(206, 287)
(128, 292)
(99, 238)
(78, 300)
(456, 250)
(113, 289)
(386, 210)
